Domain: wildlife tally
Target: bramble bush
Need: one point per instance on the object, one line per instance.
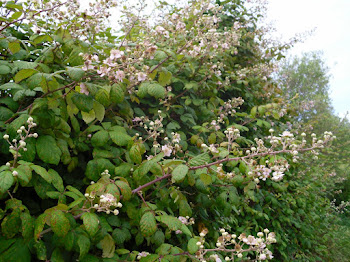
(164, 141)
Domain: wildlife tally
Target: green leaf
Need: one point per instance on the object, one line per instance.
(83, 102)
(75, 202)
(42, 172)
(25, 64)
(23, 74)
(75, 73)
(191, 85)
(120, 138)
(164, 78)
(14, 47)
(90, 221)
(11, 224)
(100, 138)
(24, 174)
(17, 250)
(120, 235)
(102, 97)
(16, 15)
(40, 250)
(57, 255)
(96, 166)
(172, 223)
(192, 246)
(69, 240)
(200, 160)
(88, 117)
(59, 223)
(84, 245)
(122, 251)
(185, 230)
(99, 111)
(148, 224)
(113, 189)
(47, 150)
(5, 113)
(53, 194)
(159, 238)
(150, 258)
(179, 173)
(22, 94)
(57, 180)
(4, 70)
(10, 86)
(6, 181)
(143, 89)
(39, 225)
(156, 90)
(108, 246)
(206, 179)
(124, 188)
(116, 94)
(184, 208)
(123, 170)
(11, 5)
(27, 225)
(42, 38)
(135, 154)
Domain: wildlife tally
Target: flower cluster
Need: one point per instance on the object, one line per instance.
(272, 166)
(154, 129)
(232, 246)
(142, 254)
(342, 208)
(17, 145)
(229, 108)
(193, 33)
(105, 202)
(186, 221)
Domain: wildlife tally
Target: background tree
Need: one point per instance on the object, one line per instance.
(305, 83)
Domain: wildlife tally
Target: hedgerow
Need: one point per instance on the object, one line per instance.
(161, 142)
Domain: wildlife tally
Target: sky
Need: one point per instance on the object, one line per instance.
(331, 21)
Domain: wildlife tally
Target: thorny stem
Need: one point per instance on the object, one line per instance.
(165, 59)
(249, 156)
(151, 183)
(137, 190)
(44, 95)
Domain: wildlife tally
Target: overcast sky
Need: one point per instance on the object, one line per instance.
(332, 21)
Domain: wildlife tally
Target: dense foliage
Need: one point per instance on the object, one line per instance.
(305, 82)
(151, 144)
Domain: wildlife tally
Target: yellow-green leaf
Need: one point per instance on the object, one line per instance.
(108, 246)
(88, 117)
(59, 223)
(90, 221)
(148, 224)
(23, 74)
(179, 173)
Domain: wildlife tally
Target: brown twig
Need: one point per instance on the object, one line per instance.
(28, 107)
(21, 19)
(151, 183)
